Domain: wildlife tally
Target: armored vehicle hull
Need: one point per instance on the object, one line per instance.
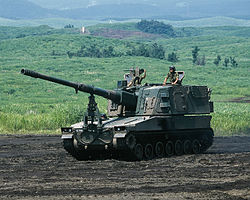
(140, 137)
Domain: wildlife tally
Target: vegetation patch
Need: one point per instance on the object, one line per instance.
(156, 27)
(94, 49)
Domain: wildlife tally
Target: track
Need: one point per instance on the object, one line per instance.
(37, 167)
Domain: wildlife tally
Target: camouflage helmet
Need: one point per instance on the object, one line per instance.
(141, 71)
(172, 67)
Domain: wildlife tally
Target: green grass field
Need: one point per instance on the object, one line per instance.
(35, 106)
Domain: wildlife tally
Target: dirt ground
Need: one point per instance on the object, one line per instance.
(123, 34)
(37, 167)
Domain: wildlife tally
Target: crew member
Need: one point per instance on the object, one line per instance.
(137, 79)
(172, 75)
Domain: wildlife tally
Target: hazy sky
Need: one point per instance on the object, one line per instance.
(94, 2)
(60, 4)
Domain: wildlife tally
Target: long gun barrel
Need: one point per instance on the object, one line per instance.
(121, 98)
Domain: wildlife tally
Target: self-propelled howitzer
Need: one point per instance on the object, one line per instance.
(146, 121)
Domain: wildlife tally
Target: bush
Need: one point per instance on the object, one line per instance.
(233, 62)
(172, 57)
(217, 60)
(156, 27)
(201, 61)
(195, 53)
(69, 26)
(226, 62)
(157, 51)
(230, 60)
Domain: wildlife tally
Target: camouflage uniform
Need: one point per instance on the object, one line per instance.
(137, 80)
(172, 76)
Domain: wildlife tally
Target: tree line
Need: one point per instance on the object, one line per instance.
(147, 50)
(153, 51)
(201, 60)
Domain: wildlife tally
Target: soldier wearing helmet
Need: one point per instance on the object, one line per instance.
(137, 78)
(172, 76)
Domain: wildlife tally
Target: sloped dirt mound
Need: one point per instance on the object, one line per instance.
(37, 167)
(241, 100)
(122, 34)
(245, 99)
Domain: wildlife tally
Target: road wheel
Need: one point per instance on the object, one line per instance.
(149, 152)
(169, 148)
(69, 146)
(178, 148)
(159, 149)
(196, 146)
(130, 141)
(187, 147)
(138, 151)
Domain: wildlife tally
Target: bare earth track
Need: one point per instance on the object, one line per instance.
(37, 167)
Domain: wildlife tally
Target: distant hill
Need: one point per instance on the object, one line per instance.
(21, 9)
(210, 22)
(113, 11)
(61, 22)
(98, 10)
(62, 4)
(184, 8)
